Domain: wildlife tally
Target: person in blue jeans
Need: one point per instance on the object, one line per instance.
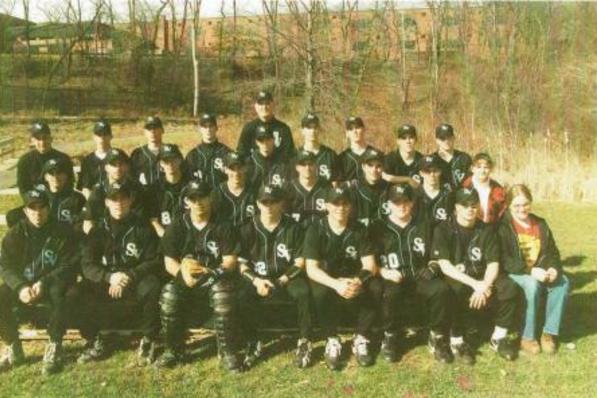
(532, 259)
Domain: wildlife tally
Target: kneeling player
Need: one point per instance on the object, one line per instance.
(468, 253)
(201, 256)
(404, 253)
(273, 267)
(340, 262)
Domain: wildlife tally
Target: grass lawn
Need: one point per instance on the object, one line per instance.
(571, 373)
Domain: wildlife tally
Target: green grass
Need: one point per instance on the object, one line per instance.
(571, 373)
(9, 202)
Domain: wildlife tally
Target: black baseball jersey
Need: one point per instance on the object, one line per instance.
(67, 205)
(270, 254)
(233, 209)
(395, 165)
(30, 254)
(129, 245)
(327, 163)
(166, 204)
(272, 170)
(338, 255)
(145, 167)
(307, 206)
(404, 249)
(95, 208)
(349, 164)
(282, 138)
(30, 166)
(369, 202)
(92, 171)
(436, 210)
(473, 247)
(208, 245)
(455, 171)
(206, 162)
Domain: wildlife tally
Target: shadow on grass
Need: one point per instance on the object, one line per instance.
(573, 261)
(579, 280)
(580, 320)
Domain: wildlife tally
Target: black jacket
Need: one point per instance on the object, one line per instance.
(30, 166)
(282, 135)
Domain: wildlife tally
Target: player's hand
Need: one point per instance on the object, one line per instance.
(552, 275)
(115, 291)
(191, 269)
(25, 295)
(539, 273)
(343, 287)
(283, 280)
(36, 290)
(263, 286)
(391, 275)
(479, 287)
(356, 287)
(413, 183)
(477, 301)
(119, 279)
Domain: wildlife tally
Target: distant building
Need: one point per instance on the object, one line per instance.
(7, 23)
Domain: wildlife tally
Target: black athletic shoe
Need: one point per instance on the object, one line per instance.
(170, 358)
(333, 353)
(303, 353)
(146, 352)
(504, 348)
(94, 350)
(390, 347)
(360, 349)
(253, 352)
(440, 348)
(464, 351)
(12, 356)
(52, 362)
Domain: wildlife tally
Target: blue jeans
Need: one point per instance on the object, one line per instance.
(557, 296)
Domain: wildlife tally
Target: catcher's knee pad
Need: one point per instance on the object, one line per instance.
(223, 302)
(171, 301)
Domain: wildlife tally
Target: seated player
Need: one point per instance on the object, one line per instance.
(265, 167)
(201, 257)
(492, 197)
(38, 264)
(166, 202)
(120, 262)
(340, 261)
(402, 165)
(433, 201)
(206, 160)
(455, 164)
(92, 165)
(306, 201)
(31, 163)
(325, 158)
(234, 200)
(468, 254)
(349, 161)
(272, 266)
(404, 248)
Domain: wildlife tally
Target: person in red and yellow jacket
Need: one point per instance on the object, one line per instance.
(492, 195)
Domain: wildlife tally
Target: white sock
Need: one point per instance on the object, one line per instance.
(456, 340)
(499, 333)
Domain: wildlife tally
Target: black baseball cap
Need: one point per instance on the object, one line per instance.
(305, 156)
(354, 122)
(233, 159)
(406, 130)
(116, 154)
(263, 131)
(310, 119)
(401, 193)
(430, 162)
(270, 192)
(338, 194)
(208, 119)
(169, 151)
(39, 128)
(117, 188)
(102, 128)
(56, 165)
(466, 196)
(264, 97)
(153, 122)
(371, 155)
(444, 131)
(36, 196)
(196, 189)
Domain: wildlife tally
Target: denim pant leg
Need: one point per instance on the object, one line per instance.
(532, 291)
(557, 296)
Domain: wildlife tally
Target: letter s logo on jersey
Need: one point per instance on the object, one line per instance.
(385, 208)
(277, 139)
(320, 204)
(131, 250)
(213, 248)
(282, 251)
(218, 164)
(49, 257)
(324, 171)
(65, 215)
(277, 180)
(419, 245)
(250, 210)
(441, 214)
(351, 252)
(476, 254)
(459, 175)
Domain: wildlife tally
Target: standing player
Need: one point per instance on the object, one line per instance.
(265, 165)
(201, 257)
(272, 266)
(402, 166)
(37, 264)
(325, 158)
(468, 254)
(340, 261)
(455, 164)
(92, 165)
(492, 197)
(234, 200)
(206, 160)
(283, 142)
(433, 201)
(30, 164)
(349, 161)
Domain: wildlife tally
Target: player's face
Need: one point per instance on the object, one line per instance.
(407, 143)
(467, 212)
(116, 170)
(56, 180)
(154, 136)
(42, 143)
(236, 174)
(520, 207)
(306, 169)
(265, 146)
(37, 213)
(339, 210)
(119, 205)
(401, 209)
(264, 110)
(356, 135)
(102, 141)
(170, 166)
(200, 206)
(270, 209)
(431, 177)
(310, 133)
(372, 171)
(445, 145)
(208, 133)
(482, 170)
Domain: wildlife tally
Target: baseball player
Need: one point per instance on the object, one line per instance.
(402, 165)
(30, 165)
(265, 166)
(92, 165)
(340, 261)
(38, 264)
(404, 245)
(283, 142)
(455, 164)
(272, 266)
(433, 201)
(206, 160)
(468, 254)
(120, 263)
(201, 257)
(349, 161)
(325, 158)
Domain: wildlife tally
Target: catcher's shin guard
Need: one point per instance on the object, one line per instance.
(224, 306)
(171, 302)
